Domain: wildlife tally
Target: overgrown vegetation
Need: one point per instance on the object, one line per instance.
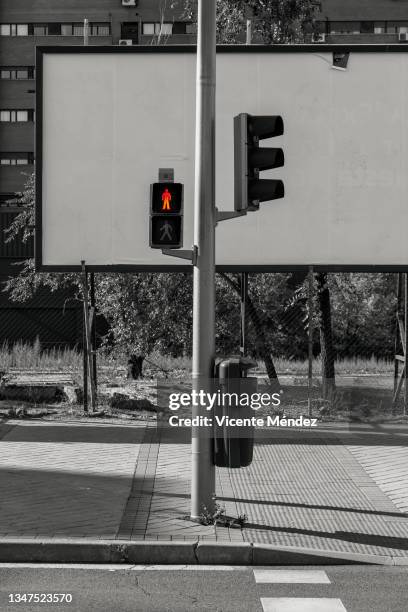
(153, 312)
(274, 21)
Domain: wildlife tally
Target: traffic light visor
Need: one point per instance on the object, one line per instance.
(265, 126)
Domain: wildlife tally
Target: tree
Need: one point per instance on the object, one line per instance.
(23, 286)
(274, 21)
(138, 307)
(326, 337)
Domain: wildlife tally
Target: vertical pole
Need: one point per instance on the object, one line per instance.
(248, 32)
(85, 360)
(93, 326)
(244, 275)
(397, 332)
(203, 469)
(310, 339)
(86, 31)
(244, 299)
(406, 342)
(88, 334)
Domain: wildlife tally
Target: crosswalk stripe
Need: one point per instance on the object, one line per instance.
(291, 576)
(302, 604)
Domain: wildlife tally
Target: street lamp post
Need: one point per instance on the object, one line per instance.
(203, 469)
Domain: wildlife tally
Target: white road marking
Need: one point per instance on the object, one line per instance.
(117, 567)
(290, 576)
(302, 604)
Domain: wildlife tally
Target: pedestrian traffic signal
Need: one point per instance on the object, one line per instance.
(250, 159)
(166, 215)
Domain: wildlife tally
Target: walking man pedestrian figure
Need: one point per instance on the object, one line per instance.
(166, 231)
(166, 198)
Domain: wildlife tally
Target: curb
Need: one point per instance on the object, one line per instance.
(70, 550)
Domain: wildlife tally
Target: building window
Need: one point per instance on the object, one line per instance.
(344, 27)
(148, 29)
(16, 159)
(165, 29)
(16, 116)
(24, 72)
(14, 29)
(40, 30)
(5, 198)
(22, 29)
(191, 28)
(78, 29)
(54, 29)
(99, 29)
(151, 29)
(367, 27)
(95, 29)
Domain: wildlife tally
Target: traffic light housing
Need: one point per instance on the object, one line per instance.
(166, 215)
(250, 159)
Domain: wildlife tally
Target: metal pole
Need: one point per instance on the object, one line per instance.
(93, 326)
(310, 339)
(249, 32)
(85, 360)
(406, 342)
(88, 335)
(244, 299)
(203, 469)
(86, 31)
(397, 330)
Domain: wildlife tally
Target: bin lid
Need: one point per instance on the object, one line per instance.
(243, 363)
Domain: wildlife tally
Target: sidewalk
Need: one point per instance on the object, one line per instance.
(333, 489)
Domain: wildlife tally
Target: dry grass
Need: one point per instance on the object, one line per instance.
(350, 365)
(26, 356)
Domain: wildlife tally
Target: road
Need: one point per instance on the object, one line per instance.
(356, 588)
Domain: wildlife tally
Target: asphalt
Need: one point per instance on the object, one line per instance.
(219, 589)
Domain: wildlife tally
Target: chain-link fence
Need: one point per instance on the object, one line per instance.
(327, 340)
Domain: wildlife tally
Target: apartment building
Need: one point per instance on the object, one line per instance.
(27, 23)
(55, 317)
(363, 22)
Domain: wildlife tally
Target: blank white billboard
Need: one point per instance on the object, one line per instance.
(109, 118)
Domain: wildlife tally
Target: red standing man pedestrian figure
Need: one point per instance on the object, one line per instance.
(166, 197)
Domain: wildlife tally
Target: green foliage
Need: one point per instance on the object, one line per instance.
(218, 516)
(22, 226)
(153, 312)
(363, 307)
(274, 21)
(147, 312)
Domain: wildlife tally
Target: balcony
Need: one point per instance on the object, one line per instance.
(174, 39)
(19, 50)
(17, 136)
(15, 93)
(362, 39)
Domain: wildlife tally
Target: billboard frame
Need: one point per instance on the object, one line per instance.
(183, 49)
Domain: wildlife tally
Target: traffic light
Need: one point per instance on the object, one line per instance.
(250, 159)
(166, 215)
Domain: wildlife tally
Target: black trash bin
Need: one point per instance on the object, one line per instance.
(233, 446)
